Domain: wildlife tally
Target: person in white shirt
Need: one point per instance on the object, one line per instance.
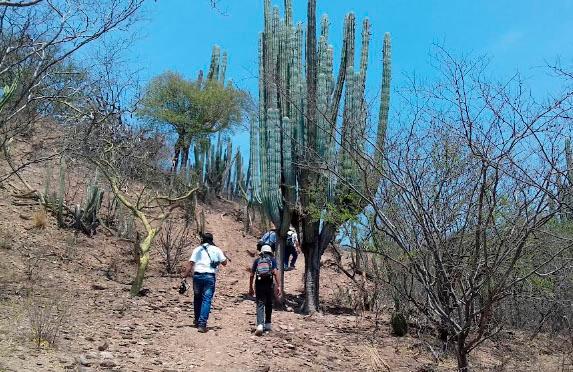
(292, 248)
(204, 263)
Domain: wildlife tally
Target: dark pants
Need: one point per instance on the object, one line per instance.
(264, 291)
(203, 291)
(290, 251)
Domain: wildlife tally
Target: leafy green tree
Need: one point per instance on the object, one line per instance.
(193, 109)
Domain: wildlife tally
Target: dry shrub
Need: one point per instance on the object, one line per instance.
(40, 219)
(48, 314)
(344, 297)
(31, 265)
(173, 240)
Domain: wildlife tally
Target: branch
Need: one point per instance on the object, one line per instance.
(20, 4)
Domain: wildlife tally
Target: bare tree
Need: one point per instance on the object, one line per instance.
(467, 195)
(38, 42)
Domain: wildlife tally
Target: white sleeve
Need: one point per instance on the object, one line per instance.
(221, 255)
(194, 255)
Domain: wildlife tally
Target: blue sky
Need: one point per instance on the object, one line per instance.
(517, 35)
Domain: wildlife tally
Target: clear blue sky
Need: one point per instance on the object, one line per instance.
(518, 35)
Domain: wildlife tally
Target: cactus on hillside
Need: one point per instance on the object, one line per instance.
(303, 153)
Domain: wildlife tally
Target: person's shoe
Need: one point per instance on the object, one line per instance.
(259, 331)
(201, 329)
(268, 327)
(292, 267)
(195, 324)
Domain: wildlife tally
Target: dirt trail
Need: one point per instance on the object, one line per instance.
(109, 330)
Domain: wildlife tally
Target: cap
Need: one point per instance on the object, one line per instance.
(266, 249)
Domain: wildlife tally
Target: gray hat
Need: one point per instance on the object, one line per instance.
(266, 249)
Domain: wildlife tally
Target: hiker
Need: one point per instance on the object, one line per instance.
(269, 238)
(292, 248)
(262, 273)
(204, 263)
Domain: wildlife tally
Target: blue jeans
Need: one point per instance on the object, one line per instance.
(203, 291)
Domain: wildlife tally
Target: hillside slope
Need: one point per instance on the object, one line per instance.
(105, 329)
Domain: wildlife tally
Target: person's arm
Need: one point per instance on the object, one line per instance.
(277, 282)
(188, 269)
(222, 258)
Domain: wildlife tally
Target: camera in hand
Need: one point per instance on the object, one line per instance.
(214, 264)
(183, 287)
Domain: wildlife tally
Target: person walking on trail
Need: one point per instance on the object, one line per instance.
(269, 238)
(292, 249)
(204, 263)
(263, 272)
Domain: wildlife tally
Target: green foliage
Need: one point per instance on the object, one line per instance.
(189, 107)
(399, 324)
(7, 93)
(194, 109)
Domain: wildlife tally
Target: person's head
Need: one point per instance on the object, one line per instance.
(207, 238)
(292, 229)
(266, 249)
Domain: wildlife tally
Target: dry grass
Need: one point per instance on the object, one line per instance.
(375, 361)
(40, 219)
(48, 314)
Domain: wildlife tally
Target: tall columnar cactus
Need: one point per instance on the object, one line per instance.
(214, 165)
(302, 153)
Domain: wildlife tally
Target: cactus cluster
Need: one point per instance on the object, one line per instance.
(82, 217)
(286, 136)
(218, 169)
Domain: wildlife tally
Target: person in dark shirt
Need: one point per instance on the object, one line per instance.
(263, 271)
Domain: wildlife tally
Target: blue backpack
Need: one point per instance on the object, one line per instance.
(264, 268)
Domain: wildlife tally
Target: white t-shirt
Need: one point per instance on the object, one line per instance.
(202, 261)
(294, 237)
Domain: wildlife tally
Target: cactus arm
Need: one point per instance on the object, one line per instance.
(384, 99)
(223, 69)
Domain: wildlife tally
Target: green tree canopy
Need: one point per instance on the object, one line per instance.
(192, 108)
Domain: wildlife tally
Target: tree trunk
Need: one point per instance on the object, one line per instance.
(177, 152)
(279, 257)
(311, 278)
(462, 353)
(144, 248)
(184, 158)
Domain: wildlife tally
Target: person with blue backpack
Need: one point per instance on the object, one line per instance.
(263, 271)
(269, 238)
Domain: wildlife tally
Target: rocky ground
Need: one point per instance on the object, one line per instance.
(53, 271)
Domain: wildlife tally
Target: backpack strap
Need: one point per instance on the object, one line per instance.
(205, 247)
